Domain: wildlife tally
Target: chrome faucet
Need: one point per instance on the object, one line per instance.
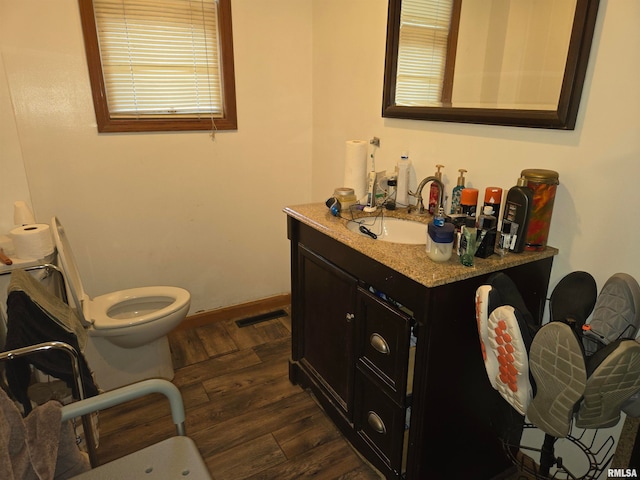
(418, 194)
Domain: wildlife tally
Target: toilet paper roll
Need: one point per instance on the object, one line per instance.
(22, 214)
(32, 241)
(355, 167)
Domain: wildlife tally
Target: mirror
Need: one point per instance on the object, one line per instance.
(494, 73)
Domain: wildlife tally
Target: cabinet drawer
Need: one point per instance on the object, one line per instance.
(384, 343)
(380, 422)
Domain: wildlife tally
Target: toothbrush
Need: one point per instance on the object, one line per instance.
(371, 186)
(371, 198)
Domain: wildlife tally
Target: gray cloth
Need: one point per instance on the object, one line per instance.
(38, 447)
(55, 308)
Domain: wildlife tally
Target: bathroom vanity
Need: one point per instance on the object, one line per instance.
(386, 339)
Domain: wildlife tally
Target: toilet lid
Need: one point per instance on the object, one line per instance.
(65, 255)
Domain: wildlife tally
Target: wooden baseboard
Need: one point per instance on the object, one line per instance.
(235, 312)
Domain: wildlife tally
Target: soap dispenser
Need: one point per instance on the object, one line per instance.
(440, 236)
(434, 192)
(457, 191)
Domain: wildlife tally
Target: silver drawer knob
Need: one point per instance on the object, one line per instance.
(376, 422)
(379, 344)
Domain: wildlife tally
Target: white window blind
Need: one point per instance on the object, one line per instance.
(160, 58)
(424, 33)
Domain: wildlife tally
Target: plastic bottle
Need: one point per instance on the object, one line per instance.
(517, 211)
(403, 167)
(469, 245)
(457, 191)
(434, 192)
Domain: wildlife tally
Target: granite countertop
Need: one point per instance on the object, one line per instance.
(410, 260)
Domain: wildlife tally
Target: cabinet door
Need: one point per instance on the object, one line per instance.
(327, 307)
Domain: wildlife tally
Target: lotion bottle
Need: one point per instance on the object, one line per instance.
(434, 192)
(402, 190)
(457, 191)
(517, 210)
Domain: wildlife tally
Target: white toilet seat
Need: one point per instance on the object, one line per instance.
(134, 306)
(103, 313)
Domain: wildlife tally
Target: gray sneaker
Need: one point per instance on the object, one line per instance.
(613, 377)
(557, 363)
(616, 313)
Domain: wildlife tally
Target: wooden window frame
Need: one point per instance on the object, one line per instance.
(392, 58)
(452, 47)
(107, 124)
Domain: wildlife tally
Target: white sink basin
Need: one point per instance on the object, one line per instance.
(390, 229)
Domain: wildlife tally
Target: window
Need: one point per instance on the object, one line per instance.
(426, 53)
(160, 65)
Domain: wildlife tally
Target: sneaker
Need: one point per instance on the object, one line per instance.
(613, 377)
(616, 314)
(507, 347)
(557, 363)
(483, 310)
(573, 299)
(505, 340)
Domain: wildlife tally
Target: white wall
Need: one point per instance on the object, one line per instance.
(183, 210)
(13, 178)
(595, 213)
(161, 208)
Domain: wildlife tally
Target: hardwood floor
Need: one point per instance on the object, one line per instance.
(244, 415)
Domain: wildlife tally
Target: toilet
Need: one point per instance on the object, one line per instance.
(127, 330)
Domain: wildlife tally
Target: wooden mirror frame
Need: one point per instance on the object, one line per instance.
(564, 117)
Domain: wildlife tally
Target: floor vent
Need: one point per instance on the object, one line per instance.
(263, 317)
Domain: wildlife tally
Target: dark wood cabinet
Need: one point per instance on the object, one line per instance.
(396, 364)
(328, 304)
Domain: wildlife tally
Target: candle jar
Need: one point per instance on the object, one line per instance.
(543, 183)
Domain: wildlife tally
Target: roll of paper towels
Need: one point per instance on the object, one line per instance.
(355, 167)
(32, 241)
